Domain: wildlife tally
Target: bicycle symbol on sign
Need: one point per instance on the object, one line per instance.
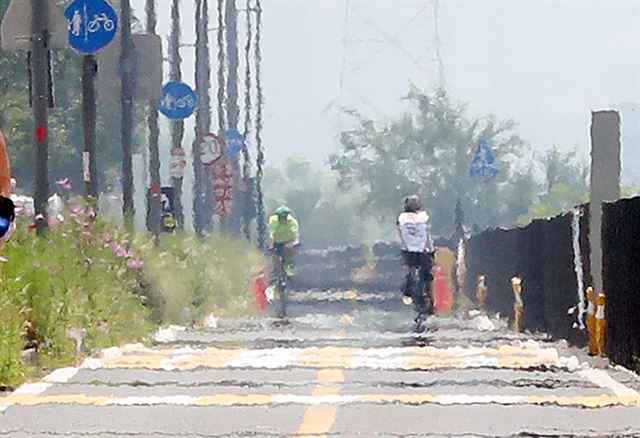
(101, 20)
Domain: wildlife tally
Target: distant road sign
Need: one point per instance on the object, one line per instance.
(92, 24)
(178, 101)
(483, 164)
(235, 143)
(15, 30)
(211, 149)
(147, 55)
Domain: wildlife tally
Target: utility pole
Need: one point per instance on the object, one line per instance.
(233, 110)
(39, 71)
(154, 135)
(262, 220)
(127, 65)
(203, 116)
(177, 126)
(89, 167)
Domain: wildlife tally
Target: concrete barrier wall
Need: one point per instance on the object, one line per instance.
(542, 255)
(621, 279)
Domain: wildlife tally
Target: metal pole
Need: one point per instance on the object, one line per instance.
(177, 127)
(127, 65)
(89, 70)
(203, 118)
(262, 225)
(207, 187)
(39, 65)
(233, 110)
(154, 151)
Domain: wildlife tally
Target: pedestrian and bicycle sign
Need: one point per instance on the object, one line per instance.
(92, 24)
(483, 165)
(178, 101)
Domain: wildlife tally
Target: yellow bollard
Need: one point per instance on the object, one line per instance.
(600, 325)
(482, 293)
(518, 303)
(591, 321)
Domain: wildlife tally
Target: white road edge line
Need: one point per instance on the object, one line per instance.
(62, 375)
(604, 380)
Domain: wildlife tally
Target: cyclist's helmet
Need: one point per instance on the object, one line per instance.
(283, 211)
(412, 204)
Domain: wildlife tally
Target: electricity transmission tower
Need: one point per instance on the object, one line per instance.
(388, 43)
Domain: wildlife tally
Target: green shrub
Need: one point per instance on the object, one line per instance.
(211, 276)
(87, 277)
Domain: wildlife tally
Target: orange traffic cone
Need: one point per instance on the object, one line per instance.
(591, 321)
(600, 325)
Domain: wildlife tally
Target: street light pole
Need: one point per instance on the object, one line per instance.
(40, 90)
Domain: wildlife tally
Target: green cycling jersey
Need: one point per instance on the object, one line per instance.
(283, 231)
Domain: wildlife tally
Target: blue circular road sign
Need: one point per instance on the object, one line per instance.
(92, 24)
(235, 143)
(178, 101)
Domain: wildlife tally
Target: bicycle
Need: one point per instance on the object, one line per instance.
(107, 23)
(281, 279)
(419, 290)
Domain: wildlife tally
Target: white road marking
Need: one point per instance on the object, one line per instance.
(268, 359)
(63, 375)
(604, 380)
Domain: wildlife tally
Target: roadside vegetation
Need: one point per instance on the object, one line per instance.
(87, 285)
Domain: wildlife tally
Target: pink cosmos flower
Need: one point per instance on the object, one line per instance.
(135, 264)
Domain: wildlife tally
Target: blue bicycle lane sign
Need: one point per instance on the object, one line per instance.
(178, 101)
(92, 24)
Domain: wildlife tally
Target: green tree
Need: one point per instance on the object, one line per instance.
(65, 125)
(328, 215)
(428, 151)
(565, 180)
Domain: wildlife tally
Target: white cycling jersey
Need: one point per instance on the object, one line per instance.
(415, 231)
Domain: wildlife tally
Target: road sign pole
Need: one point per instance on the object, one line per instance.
(127, 78)
(154, 135)
(233, 111)
(89, 69)
(177, 126)
(39, 65)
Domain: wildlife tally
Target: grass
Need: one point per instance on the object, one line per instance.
(86, 276)
(205, 277)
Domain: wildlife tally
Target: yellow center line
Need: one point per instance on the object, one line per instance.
(319, 419)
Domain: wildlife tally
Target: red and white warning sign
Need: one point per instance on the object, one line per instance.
(221, 174)
(211, 149)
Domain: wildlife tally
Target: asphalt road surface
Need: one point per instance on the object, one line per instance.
(347, 365)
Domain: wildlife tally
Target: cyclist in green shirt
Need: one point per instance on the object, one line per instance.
(284, 236)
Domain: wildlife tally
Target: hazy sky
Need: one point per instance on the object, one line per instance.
(545, 64)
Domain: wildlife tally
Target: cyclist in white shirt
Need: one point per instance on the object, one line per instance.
(414, 227)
